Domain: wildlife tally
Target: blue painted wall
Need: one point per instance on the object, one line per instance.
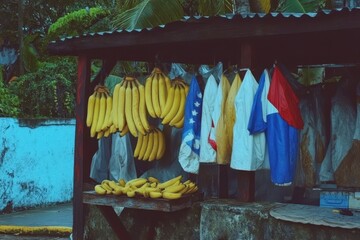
(36, 162)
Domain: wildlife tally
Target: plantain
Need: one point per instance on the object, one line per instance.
(90, 109)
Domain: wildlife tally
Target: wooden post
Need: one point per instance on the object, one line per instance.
(81, 138)
(246, 179)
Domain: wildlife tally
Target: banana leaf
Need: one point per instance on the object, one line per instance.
(215, 7)
(300, 6)
(263, 6)
(149, 13)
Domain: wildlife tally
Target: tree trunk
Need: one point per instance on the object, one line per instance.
(21, 36)
(241, 6)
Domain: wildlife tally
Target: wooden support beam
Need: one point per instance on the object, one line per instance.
(246, 179)
(114, 222)
(108, 65)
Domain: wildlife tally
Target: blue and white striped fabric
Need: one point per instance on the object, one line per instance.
(189, 152)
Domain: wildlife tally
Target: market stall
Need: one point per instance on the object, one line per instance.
(252, 41)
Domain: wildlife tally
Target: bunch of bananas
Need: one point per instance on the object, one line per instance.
(99, 110)
(157, 86)
(150, 187)
(173, 113)
(151, 146)
(129, 111)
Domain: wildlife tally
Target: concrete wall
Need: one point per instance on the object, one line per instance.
(36, 162)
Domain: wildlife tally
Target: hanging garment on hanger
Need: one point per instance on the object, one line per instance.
(247, 153)
(189, 152)
(207, 152)
(282, 138)
(222, 146)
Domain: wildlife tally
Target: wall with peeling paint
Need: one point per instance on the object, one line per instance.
(36, 162)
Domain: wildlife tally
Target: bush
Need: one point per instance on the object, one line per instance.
(49, 92)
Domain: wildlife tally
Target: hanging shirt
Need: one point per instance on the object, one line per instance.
(189, 152)
(207, 152)
(248, 150)
(282, 138)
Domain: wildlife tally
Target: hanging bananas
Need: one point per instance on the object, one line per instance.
(99, 109)
(129, 112)
(151, 146)
(174, 108)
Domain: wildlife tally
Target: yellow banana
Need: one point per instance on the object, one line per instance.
(155, 95)
(138, 145)
(153, 185)
(170, 195)
(99, 134)
(138, 183)
(129, 111)
(109, 102)
(149, 146)
(96, 115)
(99, 189)
(122, 182)
(174, 108)
(169, 182)
(106, 132)
(124, 131)
(130, 194)
(155, 194)
(153, 180)
(185, 189)
(167, 83)
(136, 109)
(112, 128)
(114, 113)
(130, 182)
(143, 146)
(162, 92)
(155, 146)
(148, 98)
(121, 107)
(90, 109)
(180, 123)
(101, 112)
(142, 108)
(169, 101)
(180, 113)
(175, 188)
(161, 148)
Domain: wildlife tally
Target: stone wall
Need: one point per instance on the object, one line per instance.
(36, 162)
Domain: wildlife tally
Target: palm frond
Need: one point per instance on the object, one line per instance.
(149, 13)
(300, 6)
(215, 7)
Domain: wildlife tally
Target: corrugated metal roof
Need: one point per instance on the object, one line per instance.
(199, 19)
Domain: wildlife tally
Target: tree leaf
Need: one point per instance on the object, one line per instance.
(149, 13)
(300, 6)
(215, 7)
(262, 6)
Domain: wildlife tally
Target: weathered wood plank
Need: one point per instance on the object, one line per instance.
(114, 222)
(160, 204)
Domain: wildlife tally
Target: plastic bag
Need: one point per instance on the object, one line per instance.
(100, 161)
(121, 164)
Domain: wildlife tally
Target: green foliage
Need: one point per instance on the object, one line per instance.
(300, 6)
(9, 103)
(149, 13)
(215, 7)
(49, 92)
(75, 23)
